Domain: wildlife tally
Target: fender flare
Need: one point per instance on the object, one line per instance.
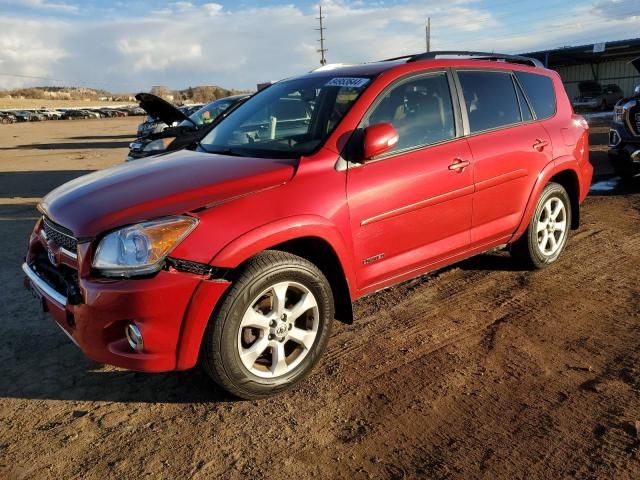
(554, 167)
(283, 230)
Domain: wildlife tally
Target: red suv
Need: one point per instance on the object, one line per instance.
(238, 252)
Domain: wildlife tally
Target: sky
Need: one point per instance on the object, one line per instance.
(127, 46)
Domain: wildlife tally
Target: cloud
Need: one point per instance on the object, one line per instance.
(212, 8)
(618, 9)
(28, 48)
(43, 5)
(186, 43)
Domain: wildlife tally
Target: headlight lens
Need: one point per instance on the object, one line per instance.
(618, 114)
(140, 249)
(159, 145)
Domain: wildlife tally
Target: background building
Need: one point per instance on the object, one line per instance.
(603, 62)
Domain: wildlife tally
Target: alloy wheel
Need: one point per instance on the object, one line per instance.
(278, 330)
(551, 226)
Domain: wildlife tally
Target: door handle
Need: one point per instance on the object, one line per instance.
(540, 144)
(459, 165)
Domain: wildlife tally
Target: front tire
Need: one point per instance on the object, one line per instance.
(271, 327)
(547, 233)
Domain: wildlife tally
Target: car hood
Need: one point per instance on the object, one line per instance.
(168, 184)
(160, 109)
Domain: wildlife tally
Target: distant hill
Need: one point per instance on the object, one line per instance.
(64, 93)
(197, 94)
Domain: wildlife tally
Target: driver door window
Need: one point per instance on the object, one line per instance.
(420, 109)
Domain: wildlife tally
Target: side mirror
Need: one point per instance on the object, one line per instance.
(378, 139)
(636, 91)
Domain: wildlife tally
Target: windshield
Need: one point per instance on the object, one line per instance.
(289, 119)
(208, 113)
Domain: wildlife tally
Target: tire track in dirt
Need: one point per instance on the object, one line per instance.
(517, 307)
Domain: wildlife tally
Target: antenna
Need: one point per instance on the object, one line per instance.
(321, 50)
(428, 34)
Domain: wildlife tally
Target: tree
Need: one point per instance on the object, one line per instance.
(160, 91)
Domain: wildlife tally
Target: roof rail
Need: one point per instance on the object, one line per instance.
(534, 62)
(393, 59)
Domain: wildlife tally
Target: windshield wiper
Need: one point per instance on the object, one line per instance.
(220, 151)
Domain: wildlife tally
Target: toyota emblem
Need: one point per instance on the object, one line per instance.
(52, 257)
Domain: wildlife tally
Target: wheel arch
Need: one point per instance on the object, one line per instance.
(564, 171)
(312, 238)
(569, 180)
(319, 252)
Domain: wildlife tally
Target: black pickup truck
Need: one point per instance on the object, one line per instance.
(624, 134)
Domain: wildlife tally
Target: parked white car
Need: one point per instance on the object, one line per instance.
(50, 113)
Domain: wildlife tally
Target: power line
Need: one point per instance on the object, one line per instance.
(31, 76)
(321, 50)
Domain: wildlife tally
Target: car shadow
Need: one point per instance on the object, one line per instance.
(491, 261)
(69, 146)
(103, 137)
(65, 374)
(34, 184)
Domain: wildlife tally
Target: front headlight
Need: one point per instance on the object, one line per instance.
(159, 145)
(618, 114)
(140, 249)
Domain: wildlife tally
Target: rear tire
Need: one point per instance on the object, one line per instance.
(547, 233)
(270, 328)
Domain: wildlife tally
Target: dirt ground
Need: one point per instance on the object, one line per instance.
(476, 371)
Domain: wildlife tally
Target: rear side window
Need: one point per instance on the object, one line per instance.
(420, 109)
(539, 89)
(490, 99)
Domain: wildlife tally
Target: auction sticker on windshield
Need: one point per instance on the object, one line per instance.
(347, 82)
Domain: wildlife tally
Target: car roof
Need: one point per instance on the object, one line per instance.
(408, 63)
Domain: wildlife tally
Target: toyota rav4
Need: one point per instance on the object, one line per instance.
(238, 253)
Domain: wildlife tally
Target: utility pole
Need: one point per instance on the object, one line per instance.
(322, 50)
(428, 34)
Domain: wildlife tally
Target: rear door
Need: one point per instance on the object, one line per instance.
(509, 149)
(412, 206)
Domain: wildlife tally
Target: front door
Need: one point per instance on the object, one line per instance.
(412, 206)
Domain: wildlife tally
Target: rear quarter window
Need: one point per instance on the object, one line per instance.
(539, 89)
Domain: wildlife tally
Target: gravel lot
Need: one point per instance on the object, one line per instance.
(476, 371)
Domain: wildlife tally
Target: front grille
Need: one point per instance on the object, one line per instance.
(62, 279)
(61, 236)
(631, 112)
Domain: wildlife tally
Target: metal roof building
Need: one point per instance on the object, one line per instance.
(603, 62)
